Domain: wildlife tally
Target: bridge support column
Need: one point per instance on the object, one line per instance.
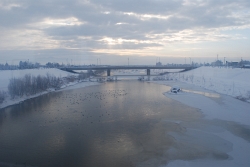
(108, 72)
(148, 72)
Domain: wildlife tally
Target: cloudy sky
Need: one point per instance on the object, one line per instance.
(111, 31)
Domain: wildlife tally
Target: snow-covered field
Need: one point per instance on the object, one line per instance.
(230, 81)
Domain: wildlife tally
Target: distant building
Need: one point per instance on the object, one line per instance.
(217, 63)
(159, 64)
(232, 64)
(244, 63)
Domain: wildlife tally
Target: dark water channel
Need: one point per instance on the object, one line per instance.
(114, 124)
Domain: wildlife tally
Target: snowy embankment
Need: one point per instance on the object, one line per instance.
(230, 81)
(199, 91)
(6, 75)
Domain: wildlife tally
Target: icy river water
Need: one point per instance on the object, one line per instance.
(123, 124)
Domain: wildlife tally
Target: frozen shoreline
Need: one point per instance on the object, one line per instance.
(212, 104)
(217, 107)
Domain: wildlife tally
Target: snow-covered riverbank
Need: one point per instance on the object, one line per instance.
(6, 75)
(215, 107)
(230, 81)
(217, 103)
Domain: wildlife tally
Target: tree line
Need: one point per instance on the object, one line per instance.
(31, 65)
(30, 85)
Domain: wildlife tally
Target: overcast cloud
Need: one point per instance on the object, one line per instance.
(98, 28)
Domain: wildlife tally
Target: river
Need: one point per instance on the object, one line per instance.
(124, 123)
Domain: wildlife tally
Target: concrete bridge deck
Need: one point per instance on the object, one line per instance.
(109, 68)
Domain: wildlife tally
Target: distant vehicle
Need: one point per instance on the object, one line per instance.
(175, 89)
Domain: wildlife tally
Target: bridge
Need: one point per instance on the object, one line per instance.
(109, 68)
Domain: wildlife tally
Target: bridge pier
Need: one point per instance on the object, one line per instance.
(148, 71)
(108, 72)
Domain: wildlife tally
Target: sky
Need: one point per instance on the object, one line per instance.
(109, 32)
